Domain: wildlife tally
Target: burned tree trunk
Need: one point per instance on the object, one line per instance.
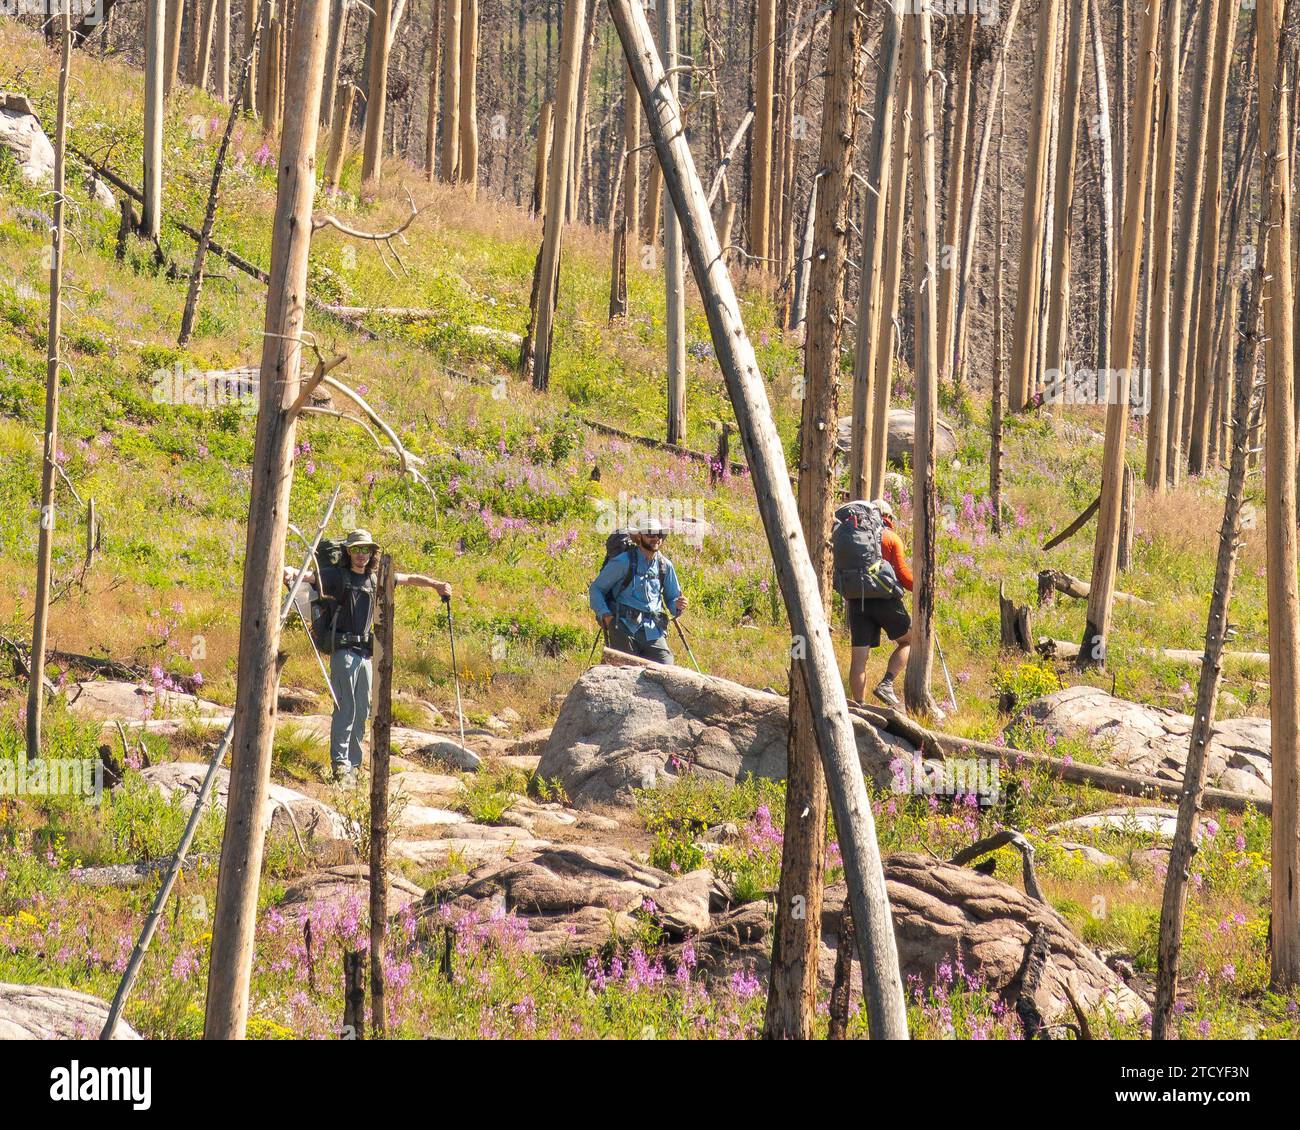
(870, 327)
(1058, 275)
(997, 92)
(155, 49)
(468, 159)
(1092, 650)
(949, 260)
(338, 148)
(535, 357)
(380, 742)
(50, 448)
(372, 158)
(760, 165)
(1211, 215)
(1272, 33)
(895, 234)
(451, 87)
(674, 267)
(259, 632)
(435, 69)
(792, 995)
(916, 682)
(1183, 326)
(1157, 453)
(1029, 280)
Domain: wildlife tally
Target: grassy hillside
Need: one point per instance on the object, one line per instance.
(514, 521)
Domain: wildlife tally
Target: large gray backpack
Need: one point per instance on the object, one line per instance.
(859, 570)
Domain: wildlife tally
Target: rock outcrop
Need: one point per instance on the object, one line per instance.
(22, 135)
(627, 728)
(573, 898)
(313, 818)
(902, 436)
(1154, 740)
(40, 1012)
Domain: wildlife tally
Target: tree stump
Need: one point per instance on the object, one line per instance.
(1017, 634)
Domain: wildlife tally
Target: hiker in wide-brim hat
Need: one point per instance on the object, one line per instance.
(350, 589)
(634, 591)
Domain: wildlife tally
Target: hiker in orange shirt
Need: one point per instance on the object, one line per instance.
(871, 573)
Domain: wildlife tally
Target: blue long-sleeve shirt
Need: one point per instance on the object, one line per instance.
(643, 599)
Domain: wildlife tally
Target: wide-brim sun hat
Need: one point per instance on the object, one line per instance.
(359, 539)
(650, 526)
(883, 506)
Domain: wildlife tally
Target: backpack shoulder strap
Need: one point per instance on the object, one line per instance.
(629, 577)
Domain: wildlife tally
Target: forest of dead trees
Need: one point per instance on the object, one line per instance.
(862, 163)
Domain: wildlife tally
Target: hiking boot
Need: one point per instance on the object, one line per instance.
(885, 692)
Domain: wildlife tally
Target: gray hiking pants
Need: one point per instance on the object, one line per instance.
(656, 650)
(350, 678)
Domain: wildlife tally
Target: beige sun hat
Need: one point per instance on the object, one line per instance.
(358, 538)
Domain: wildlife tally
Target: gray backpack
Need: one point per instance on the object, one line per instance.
(859, 570)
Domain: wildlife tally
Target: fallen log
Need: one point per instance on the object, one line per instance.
(1121, 781)
(402, 313)
(660, 445)
(1064, 649)
(1191, 655)
(1051, 581)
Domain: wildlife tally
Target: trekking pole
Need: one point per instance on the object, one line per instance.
(687, 643)
(952, 696)
(591, 655)
(455, 673)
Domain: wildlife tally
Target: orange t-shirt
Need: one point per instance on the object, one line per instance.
(891, 549)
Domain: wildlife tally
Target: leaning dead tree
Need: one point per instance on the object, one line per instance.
(799, 583)
(50, 447)
(1105, 557)
(209, 217)
(272, 476)
(796, 936)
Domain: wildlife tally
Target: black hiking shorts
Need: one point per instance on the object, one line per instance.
(868, 618)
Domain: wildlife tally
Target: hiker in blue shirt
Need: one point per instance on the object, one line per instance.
(632, 594)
